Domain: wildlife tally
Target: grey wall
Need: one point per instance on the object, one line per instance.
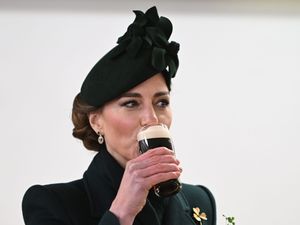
(236, 95)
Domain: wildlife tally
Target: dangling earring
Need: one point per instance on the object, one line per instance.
(100, 138)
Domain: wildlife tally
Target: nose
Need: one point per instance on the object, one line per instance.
(149, 116)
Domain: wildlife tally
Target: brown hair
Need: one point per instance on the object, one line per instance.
(82, 128)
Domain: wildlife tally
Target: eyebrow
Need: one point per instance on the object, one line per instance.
(138, 95)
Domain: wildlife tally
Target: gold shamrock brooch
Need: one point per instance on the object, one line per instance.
(199, 216)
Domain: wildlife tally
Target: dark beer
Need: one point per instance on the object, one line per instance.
(158, 136)
(146, 144)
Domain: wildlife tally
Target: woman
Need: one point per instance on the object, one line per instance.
(127, 89)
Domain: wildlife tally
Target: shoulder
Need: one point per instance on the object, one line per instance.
(201, 197)
(195, 192)
(60, 192)
(55, 201)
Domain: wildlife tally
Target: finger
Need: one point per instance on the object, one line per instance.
(159, 159)
(147, 183)
(161, 177)
(160, 151)
(159, 168)
(151, 161)
(156, 151)
(141, 170)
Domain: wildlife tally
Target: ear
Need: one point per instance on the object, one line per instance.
(96, 121)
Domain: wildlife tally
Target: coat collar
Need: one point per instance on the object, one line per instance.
(102, 180)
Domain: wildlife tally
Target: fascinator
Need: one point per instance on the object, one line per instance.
(143, 51)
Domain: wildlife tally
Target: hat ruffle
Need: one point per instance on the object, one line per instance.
(149, 31)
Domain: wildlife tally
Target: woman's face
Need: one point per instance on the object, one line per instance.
(120, 120)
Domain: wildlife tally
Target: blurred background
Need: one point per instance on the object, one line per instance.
(236, 97)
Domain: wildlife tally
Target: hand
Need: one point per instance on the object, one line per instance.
(140, 175)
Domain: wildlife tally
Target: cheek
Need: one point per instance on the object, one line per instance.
(118, 126)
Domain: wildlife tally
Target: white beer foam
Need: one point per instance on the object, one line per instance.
(154, 132)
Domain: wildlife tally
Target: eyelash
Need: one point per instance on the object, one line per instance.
(162, 103)
(130, 104)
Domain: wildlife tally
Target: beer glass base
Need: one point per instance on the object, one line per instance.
(167, 188)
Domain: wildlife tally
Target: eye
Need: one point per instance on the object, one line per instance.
(130, 104)
(163, 103)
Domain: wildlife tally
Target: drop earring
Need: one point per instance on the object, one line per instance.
(100, 138)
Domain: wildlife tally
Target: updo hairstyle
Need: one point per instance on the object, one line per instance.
(82, 128)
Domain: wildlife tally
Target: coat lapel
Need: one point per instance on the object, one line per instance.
(178, 211)
(102, 180)
(147, 216)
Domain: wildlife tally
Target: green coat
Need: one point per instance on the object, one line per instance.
(86, 201)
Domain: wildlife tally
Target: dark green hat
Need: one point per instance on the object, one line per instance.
(143, 51)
